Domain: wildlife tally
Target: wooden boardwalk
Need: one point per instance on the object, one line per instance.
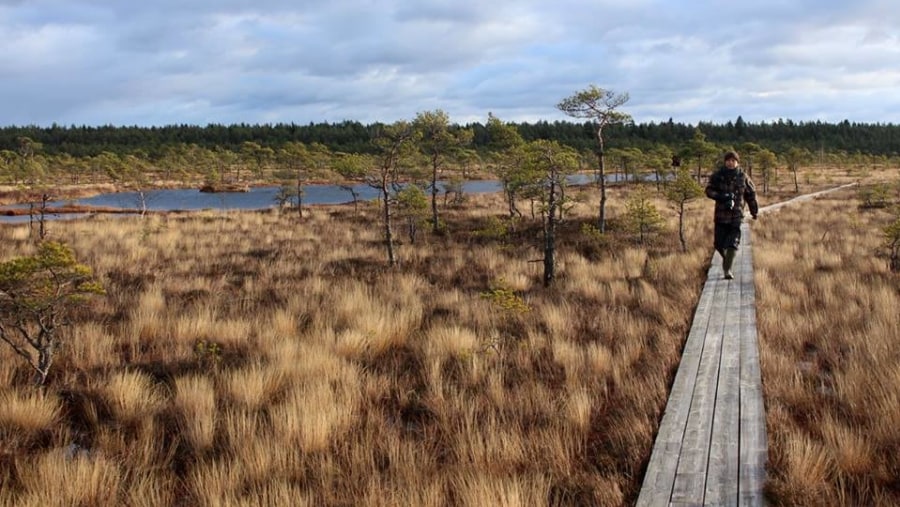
(711, 445)
(711, 448)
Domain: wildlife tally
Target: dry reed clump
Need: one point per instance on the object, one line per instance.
(245, 358)
(376, 318)
(149, 490)
(255, 386)
(146, 321)
(312, 415)
(809, 469)
(132, 396)
(24, 416)
(827, 317)
(195, 402)
(91, 345)
(237, 425)
(56, 478)
(479, 489)
(445, 346)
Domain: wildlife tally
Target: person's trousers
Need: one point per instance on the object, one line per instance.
(727, 235)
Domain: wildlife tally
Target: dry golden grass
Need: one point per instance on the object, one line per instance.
(256, 359)
(254, 386)
(828, 324)
(24, 416)
(56, 478)
(312, 415)
(132, 396)
(195, 402)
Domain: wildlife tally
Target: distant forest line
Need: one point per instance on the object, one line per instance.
(355, 137)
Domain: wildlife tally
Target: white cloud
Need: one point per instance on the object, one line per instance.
(225, 61)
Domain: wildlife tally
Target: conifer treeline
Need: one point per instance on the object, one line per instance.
(354, 137)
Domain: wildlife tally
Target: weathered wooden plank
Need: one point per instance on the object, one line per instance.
(660, 475)
(690, 476)
(722, 471)
(753, 439)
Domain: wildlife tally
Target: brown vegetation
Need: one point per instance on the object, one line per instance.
(251, 357)
(828, 324)
(256, 359)
(70, 209)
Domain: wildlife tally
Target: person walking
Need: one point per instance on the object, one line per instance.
(730, 187)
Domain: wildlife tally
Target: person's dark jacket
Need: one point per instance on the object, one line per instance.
(731, 187)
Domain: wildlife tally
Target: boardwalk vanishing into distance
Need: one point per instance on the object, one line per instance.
(711, 447)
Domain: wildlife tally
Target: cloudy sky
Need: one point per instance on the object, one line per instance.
(161, 62)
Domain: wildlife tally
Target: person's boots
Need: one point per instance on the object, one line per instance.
(727, 261)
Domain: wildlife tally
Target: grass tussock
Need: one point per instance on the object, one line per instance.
(25, 416)
(131, 395)
(58, 477)
(195, 402)
(827, 317)
(260, 359)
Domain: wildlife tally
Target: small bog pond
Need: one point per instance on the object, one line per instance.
(256, 198)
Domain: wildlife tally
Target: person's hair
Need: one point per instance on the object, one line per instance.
(732, 155)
